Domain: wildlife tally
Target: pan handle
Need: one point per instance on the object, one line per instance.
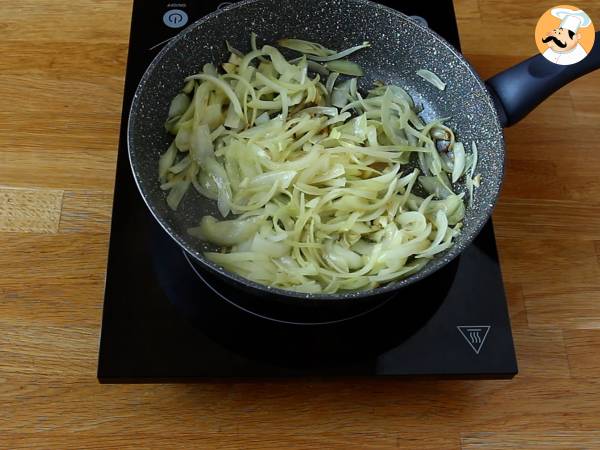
(519, 89)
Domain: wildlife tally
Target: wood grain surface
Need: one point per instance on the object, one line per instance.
(61, 78)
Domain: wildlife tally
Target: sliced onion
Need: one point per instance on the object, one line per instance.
(341, 54)
(345, 67)
(165, 162)
(179, 105)
(306, 47)
(431, 78)
(458, 150)
(319, 178)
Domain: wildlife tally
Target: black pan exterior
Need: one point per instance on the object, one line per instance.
(399, 48)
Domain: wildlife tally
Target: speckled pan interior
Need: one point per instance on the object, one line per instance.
(399, 48)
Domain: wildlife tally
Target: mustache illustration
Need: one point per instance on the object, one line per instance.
(555, 40)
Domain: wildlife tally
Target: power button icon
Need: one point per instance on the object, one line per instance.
(175, 18)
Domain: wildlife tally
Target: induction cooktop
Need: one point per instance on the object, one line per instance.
(165, 319)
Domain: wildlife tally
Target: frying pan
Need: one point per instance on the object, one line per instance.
(399, 47)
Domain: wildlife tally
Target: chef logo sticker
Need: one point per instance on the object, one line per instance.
(564, 35)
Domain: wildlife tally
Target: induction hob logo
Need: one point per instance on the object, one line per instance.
(474, 335)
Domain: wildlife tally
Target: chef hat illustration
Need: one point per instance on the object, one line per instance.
(571, 20)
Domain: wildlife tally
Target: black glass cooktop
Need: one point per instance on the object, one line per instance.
(166, 320)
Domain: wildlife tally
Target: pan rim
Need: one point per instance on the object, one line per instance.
(433, 266)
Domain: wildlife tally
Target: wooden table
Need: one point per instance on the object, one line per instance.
(61, 78)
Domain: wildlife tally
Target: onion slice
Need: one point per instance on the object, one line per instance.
(431, 78)
(314, 183)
